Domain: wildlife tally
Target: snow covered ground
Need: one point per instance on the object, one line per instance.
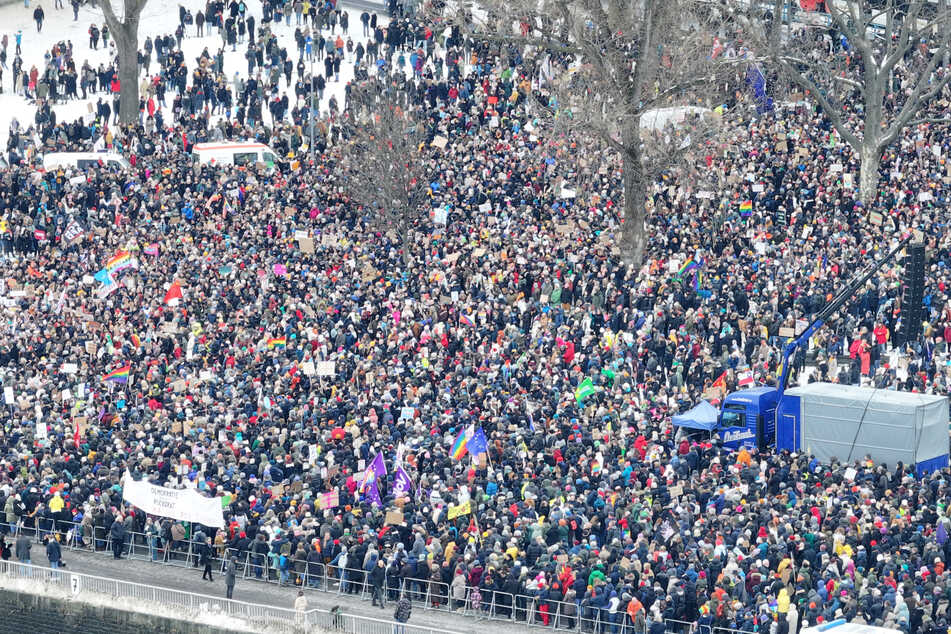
(160, 17)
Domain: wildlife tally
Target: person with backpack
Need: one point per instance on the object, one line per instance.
(403, 611)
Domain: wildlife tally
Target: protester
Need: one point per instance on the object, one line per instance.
(231, 573)
(196, 364)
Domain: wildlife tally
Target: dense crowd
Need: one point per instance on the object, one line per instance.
(594, 506)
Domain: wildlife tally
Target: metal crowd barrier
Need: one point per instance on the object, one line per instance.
(198, 606)
(325, 577)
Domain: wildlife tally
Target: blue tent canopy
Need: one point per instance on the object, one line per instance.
(701, 416)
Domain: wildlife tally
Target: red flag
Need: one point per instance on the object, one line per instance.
(174, 293)
(76, 434)
(721, 381)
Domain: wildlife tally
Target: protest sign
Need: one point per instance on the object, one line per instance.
(459, 509)
(181, 504)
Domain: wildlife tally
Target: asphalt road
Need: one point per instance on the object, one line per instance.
(189, 579)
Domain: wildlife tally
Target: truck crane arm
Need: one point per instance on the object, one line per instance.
(845, 295)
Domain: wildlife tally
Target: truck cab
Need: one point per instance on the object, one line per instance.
(748, 418)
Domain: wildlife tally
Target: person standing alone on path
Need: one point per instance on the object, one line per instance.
(403, 611)
(53, 553)
(300, 607)
(205, 558)
(38, 16)
(231, 572)
(378, 581)
(22, 548)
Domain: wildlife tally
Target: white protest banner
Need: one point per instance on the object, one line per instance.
(326, 368)
(8, 396)
(440, 215)
(187, 505)
(307, 367)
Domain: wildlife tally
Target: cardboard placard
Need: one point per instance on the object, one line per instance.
(440, 142)
(393, 518)
(675, 491)
(329, 500)
(786, 331)
(306, 245)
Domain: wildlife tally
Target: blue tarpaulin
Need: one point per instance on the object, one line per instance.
(701, 416)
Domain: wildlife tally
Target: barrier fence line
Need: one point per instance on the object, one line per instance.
(428, 594)
(265, 617)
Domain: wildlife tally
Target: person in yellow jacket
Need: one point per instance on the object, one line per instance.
(57, 503)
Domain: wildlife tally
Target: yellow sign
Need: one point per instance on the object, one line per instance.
(460, 509)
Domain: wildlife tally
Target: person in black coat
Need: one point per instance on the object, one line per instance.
(53, 553)
(117, 535)
(205, 557)
(377, 582)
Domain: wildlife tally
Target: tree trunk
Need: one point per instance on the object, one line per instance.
(127, 44)
(633, 242)
(868, 179)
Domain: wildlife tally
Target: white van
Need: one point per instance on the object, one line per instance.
(245, 154)
(83, 160)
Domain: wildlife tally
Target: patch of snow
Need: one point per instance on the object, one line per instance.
(158, 18)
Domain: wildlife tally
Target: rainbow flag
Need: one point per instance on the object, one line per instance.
(459, 446)
(119, 261)
(152, 249)
(688, 266)
(135, 340)
(746, 208)
(466, 320)
(119, 375)
(277, 341)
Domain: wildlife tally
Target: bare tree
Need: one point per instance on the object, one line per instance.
(604, 64)
(384, 163)
(125, 31)
(883, 75)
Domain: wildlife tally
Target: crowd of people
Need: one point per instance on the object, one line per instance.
(595, 508)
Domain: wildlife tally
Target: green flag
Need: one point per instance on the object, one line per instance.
(584, 389)
(608, 372)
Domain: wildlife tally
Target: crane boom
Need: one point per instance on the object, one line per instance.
(837, 303)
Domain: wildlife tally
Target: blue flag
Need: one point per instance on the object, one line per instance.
(478, 444)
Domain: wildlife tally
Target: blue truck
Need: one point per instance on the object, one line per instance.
(831, 420)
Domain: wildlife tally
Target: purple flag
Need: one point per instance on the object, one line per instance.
(372, 494)
(402, 484)
(375, 471)
(942, 534)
